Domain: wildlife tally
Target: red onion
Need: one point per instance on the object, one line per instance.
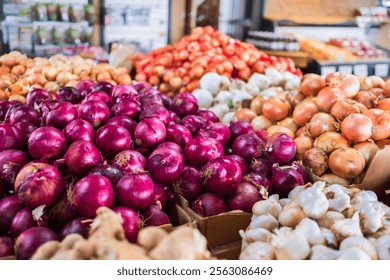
(124, 92)
(112, 173)
(200, 150)
(23, 220)
(94, 112)
(165, 166)
(160, 196)
(9, 207)
(193, 123)
(85, 86)
(262, 166)
(222, 175)
(178, 134)
(301, 169)
(262, 134)
(129, 109)
(238, 128)
(207, 115)
(100, 96)
(62, 211)
(38, 184)
(6, 248)
(208, 204)
(30, 240)
(173, 117)
(149, 132)
(4, 107)
(70, 94)
(36, 96)
(131, 222)
(244, 198)
(248, 146)
(241, 162)
(218, 131)
(189, 184)
(285, 178)
(154, 216)
(78, 130)
(124, 121)
(135, 191)
(130, 161)
(7, 116)
(10, 137)
(167, 146)
(167, 101)
(79, 225)
(25, 128)
(150, 99)
(80, 157)
(103, 86)
(155, 110)
(46, 143)
(11, 161)
(184, 104)
(280, 148)
(90, 193)
(62, 115)
(111, 139)
(259, 180)
(25, 114)
(141, 86)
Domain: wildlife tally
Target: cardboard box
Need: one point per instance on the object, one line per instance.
(230, 251)
(219, 229)
(178, 218)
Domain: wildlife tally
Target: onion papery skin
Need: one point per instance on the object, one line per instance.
(81, 157)
(131, 221)
(46, 143)
(111, 139)
(130, 161)
(208, 204)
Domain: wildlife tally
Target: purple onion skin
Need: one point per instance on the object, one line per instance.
(111, 139)
(94, 112)
(184, 104)
(70, 94)
(26, 128)
(285, 179)
(200, 150)
(160, 196)
(280, 148)
(62, 115)
(11, 161)
(9, 207)
(92, 192)
(241, 162)
(78, 130)
(2, 189)
(10, 137)
(4, 107)
(79, 225)
(155, 111)
(81, 157)
(6, 248)
(150, 132)
(129, 109)
(217, 131)
(22, 221)
(154, 216)
(173, 117)
(130, 161)
(124, 121)
(244, 198)
(103, 86)
(301, 169)
(259, 180)
(189, 185)
(109, 171)
(62, 212)
(25, 114)
(207, 115)
(167, 101)
(122, 91)
(100, 96)
(36, 96)
(46, 143)
(238, 128)
(248, 146)
(141, 86)
(85, 86)
(31, 239)
(193, 123)
(208, 204)
(262, 166)
(178, 134)
(166, 167)
(131, 222)
(150, 99)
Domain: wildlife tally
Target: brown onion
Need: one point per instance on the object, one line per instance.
(330, 141)
(257, 104)
(377, 91)
(289, 123)
(303, 144)
(303, 131)
(382, 143)
(320, 123)
(365, 83)
(279, 129)
(245, 114)
(357, 127)
(341, 109)
(311, 84)
(327, 97)
(346, 162)
(377, 82)
(261, 122)
(294, 97)
(275, 109)
(368, 150)
(381, 121)
(366, 98)
(334, 179)
(316, 160)
(304, 111)
(384, 104)
(386, 88)
(347, 83)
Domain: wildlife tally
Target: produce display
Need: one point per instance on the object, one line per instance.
(319, 222)
(107, 241)
(362, 49)
(322, 51)
(177, 68)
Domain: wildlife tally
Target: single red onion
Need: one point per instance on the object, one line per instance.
(11, 161)
(262, 134)
(280, 148)
(184, 104)
(208, 204)
(36, 96)
(217, 131)
(78, 130)
(63, 210)
(244, 198)
(90, 193)
(111, 139)
(10, 137)
(193, 123)
(38, 184)
(109, 171)
(154, 216)
(149, 132)
(259, 180)
(4, 107)
(124, 92)
(155, 111)
(248, 146)
(124, 121)
(160, 196)
(70, 94)
(189, 185)
(200, 150)
(94, 112)
(130, 161)
(129, 109)
(178, 134)
(22, 221)
(6, 248)
(166, 146)
(167, 101)
(62, 115)
(222, 175)
(130, 222)
(141, 86)
(81, 157)
(25, 114)
(79, 225)
(238, 128)
(207, 115)
(46, 143)
(241, 162)
(7, 116)
(150, 99)
(31, 239)
(165, 166)
(100, 96)
(285, 179)
(301, 169)
(25, 128)
(135, 191)
(103, 86)
(262, 166)
(9, 207)
(85, 86)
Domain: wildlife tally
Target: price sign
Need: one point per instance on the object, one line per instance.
(360, 70)
(382, 70)
(325, 70)
(345, 69)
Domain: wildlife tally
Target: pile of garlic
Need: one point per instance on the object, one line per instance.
(224, 96)
(319, 222)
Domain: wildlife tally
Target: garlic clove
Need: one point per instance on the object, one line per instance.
(371, 219)
(258, 251)
(284, 201)
(313, 201)
(292, 247)
(361, 243)
(258, 234)
(295, 191)
(270, 206)
(267, 222)
(330, 218)
(353, 253)
(347, 227)
(330, 239)
(321, 252)
(291, 215)
(338, 198)
(310, 230)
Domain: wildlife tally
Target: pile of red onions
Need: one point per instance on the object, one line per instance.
(127, 148)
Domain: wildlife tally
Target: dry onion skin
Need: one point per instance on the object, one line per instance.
(316, 160)
(368, 150)
(367, 98)
(321, 123)
(346, 162)
(343, 108)
(275, 129)
(303, 144)
(327, 97)
(330, 141)
(311, 84)
(304, 111)
(261, 122)
(331, 178)
(357, 128)
(245, 114)
(347, 83)
(275, 109)
(381, 121)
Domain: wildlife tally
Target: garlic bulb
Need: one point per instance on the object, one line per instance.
(310, 230)
(269, 206)
(292, 247)
(258, 251)
(267, 222)
(361, 243)
(347, 227)
(321, 252)
(313, 201)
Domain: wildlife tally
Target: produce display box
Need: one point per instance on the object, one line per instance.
(301, 59)
(219, 229)
(230, 251)
(179, 218)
